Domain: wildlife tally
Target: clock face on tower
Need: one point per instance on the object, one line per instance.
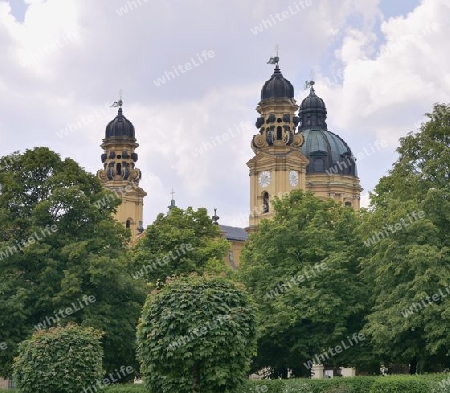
(264, 179)
(293, 178)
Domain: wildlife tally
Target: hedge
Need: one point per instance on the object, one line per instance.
(333, 385)
(410, 384)
(138, 388)
(391, 384)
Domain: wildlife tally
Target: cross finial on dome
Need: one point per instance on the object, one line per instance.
(172, 202)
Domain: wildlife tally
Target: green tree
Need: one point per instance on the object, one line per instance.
(183, 241)
(423, 163)
(302, 269)
(197, 334)
(13, 322)
(408, 238)
(63, 257)
(59, 360)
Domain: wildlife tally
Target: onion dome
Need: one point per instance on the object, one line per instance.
(312, 112)
(120, 127)
(277, 86)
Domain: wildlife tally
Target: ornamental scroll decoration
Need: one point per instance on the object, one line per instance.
(259, 141)
(297, 140)
(102, 175)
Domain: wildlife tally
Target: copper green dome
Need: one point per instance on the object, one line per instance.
(277, 86)
(120, 127)
(327, 152)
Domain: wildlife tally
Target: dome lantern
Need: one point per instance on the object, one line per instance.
(313, 111)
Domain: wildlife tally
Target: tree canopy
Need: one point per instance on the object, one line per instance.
(302, 269)
(62, 359)
(197, 334)
(408, 250)
(62, 258)
(182, 241)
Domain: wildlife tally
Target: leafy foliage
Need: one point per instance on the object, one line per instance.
(183, 241)
(196, 334)
(302, 269)
(400, 384)
(423, 163)
(411, 260)
(57, 246)
(391, 384)
(59, 360)
(138, 388)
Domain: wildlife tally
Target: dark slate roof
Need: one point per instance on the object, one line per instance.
(120, 127)
(312, 112)
(234, 233)
(277, 86)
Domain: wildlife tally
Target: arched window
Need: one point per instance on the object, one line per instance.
(128, 223)
(279, 133)
(348, 204)
(265, 202)
(119, 169)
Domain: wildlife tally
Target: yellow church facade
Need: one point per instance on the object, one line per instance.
(293, 149)
(120, 174)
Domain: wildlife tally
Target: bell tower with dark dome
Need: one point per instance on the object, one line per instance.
(278, 165)
(120, 174)
(331, 172)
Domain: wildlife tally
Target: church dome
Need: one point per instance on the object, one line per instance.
(327, 152)
(120, 127)
(277, 86)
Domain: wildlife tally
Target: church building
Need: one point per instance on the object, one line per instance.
(293, 149)
(120, 174)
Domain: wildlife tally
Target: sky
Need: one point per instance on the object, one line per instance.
(379, 65)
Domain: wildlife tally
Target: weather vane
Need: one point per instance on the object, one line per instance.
(276, 59)
(311, 82)
(118, 103)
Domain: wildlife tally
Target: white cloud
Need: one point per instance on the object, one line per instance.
(372, 94)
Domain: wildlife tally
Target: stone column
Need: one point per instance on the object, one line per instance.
(317, 371)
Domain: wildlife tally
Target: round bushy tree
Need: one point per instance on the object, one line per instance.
(59, 360)
(196, 334)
